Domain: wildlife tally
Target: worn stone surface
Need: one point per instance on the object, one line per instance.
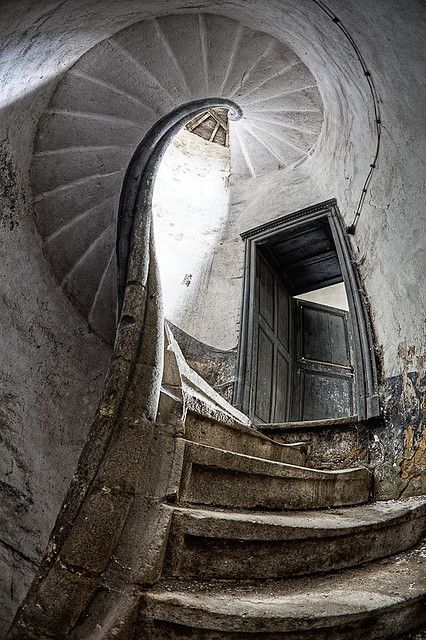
(216, 477)
(58, 603)
(329, 446)
(379, 600)
(93, 539)
(240, 546)
(241, 439)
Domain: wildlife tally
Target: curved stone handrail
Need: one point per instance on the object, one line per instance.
(105, 491)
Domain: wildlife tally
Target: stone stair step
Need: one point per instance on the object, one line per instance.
(216, 477)
(378, 600)
(242, 439)
(207, 543)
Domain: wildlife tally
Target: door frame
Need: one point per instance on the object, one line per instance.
(366, 395)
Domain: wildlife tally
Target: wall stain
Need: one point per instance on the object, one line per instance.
(187, 279)
(8, 190)
(398, 448)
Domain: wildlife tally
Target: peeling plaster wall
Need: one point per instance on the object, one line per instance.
(52, 367)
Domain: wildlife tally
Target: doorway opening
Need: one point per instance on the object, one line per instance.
(306, 350)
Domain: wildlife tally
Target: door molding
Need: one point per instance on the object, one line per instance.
(366, 394)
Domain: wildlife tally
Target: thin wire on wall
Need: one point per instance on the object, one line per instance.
(376, 106)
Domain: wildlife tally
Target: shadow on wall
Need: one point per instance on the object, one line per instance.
(51, 369)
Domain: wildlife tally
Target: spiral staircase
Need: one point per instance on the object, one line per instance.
(191, 524)
(106, 103)
(229, 535)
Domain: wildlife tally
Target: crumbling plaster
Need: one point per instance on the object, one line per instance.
(52, 366)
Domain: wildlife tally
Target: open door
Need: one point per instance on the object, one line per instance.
(271, 381)
(302, 354)
(323, 382)
(300, 360)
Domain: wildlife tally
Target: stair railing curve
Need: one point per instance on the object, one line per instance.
(101, 496)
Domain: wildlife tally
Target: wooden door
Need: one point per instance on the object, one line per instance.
(323, 381)
(271, 376)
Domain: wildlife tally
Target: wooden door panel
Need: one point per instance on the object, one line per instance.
(271, 347)
(323, 380)
(283, 317)
(264, 376)
(325, 396)
(324, 335)
(266, 294)
(281, 394)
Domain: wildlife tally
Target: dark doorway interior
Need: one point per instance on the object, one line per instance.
(300, 360)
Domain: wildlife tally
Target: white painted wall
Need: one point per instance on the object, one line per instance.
(191, 207)
(333, 296)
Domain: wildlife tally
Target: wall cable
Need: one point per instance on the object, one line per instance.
(376, 106)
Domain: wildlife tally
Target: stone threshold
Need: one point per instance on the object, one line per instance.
(307, 424)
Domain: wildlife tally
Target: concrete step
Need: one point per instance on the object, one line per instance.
(379, 600)
(212, 476)
(233, 545)
(336, 443)
(242, 439)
